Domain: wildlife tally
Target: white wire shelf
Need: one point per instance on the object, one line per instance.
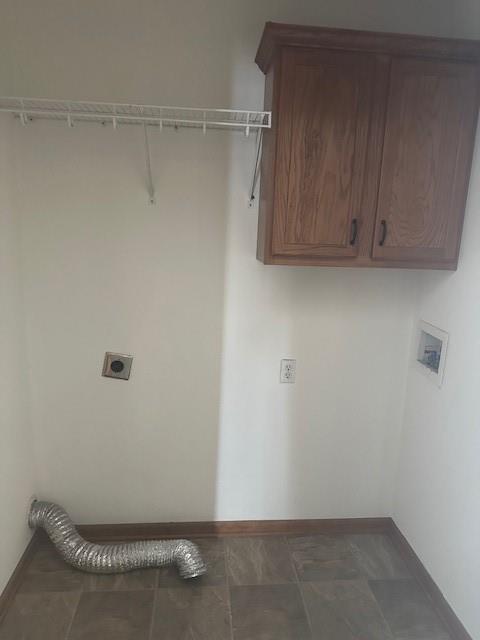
(28, 109)
(116, 114)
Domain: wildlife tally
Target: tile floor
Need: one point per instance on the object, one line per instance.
(346, 587)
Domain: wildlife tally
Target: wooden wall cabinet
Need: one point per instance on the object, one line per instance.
(368, 159)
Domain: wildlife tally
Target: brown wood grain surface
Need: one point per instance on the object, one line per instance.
(277, 35)
(141, 531)
(428, 139)
(372, 136)
(322, 139)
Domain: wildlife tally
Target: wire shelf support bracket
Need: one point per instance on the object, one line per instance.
(148, 165)
(117, 114)
(256, 168)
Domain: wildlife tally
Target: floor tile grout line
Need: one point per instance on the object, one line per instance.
(300, 589)
(305, 609)
(82, 588)
(409, 577)
(152, 617)
(415, 580)
(229, 593)
(154, 588)
(379, 609)
(154, 604)
(292, 561)
(69, 629)
(422, 586)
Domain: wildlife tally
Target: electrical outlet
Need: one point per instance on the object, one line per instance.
(288, 368)
(117, 365)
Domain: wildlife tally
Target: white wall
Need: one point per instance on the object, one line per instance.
(16, 455)
(440, 444)
(438, 487)
(203, 429)
(325, 446)
(466, 18)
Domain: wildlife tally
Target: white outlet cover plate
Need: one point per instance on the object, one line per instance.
(288, 370)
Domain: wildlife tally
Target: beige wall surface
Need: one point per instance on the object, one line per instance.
(16, 454)
(203, 429)
(438, 485)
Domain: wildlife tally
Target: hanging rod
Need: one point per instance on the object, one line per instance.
(28, 109)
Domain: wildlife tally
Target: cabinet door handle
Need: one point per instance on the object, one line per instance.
(354, 231)
(383, 234)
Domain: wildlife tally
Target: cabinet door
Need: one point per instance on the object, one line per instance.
(429, 135)
(323, 124)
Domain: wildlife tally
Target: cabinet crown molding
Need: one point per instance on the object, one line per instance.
(276, 35)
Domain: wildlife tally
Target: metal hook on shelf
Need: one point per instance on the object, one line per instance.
(256, 170)
(150, 187)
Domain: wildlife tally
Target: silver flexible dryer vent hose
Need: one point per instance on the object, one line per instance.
(112, 558)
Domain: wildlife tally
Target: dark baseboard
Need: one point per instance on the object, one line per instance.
(416, 567)
(146, 531)
(11, 588)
